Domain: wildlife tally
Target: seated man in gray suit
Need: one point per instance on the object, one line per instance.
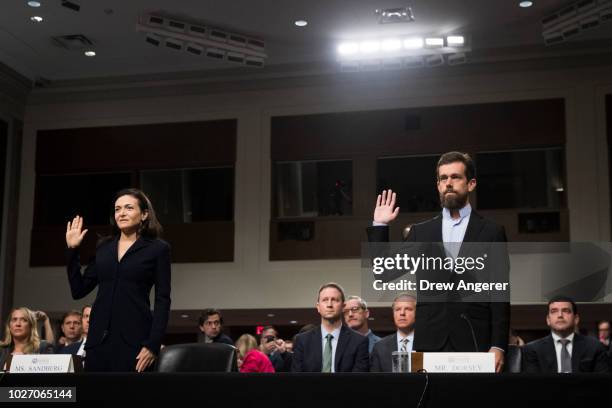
(564, 350)
(404, 307)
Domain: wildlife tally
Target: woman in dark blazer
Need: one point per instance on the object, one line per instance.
(21, 336)
(124, 335)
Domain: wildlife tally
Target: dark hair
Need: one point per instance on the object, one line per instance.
(332, 285)
(71, 313)
(454, 157)
(207, 313)
(304, 329)
(562, 298)
(266, 328)
(149, 228)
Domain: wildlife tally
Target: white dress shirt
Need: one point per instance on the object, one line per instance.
(334, 344)
(559, 347)
(400, 336)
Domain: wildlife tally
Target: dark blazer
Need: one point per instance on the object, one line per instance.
(223, 338)
(351, 352)
(380, 358)
(122, 303)
(588, 355)
(439, 322)
(72, 348)
(5, 352)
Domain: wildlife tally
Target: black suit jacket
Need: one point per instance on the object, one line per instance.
(380, 358)
(72, 348)
(351, 352)
(122, 302)
(588, 355)
(439, 322)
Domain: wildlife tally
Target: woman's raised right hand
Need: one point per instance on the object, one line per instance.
(75, 232)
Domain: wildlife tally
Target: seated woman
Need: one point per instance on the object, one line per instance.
(21, 336)
(250, 359)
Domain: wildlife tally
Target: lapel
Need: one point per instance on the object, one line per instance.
(550, 355)
(318, 348)
(577, 350)
(472, 232)
(437, 225)
(140, 243)
(343, 341)
(395, 341)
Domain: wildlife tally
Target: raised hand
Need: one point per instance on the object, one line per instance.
(385, 210)
(75, 232)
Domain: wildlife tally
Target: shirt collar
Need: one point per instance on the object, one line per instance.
(463, 212)
(335, 333)
(409, 337)
(556, 337)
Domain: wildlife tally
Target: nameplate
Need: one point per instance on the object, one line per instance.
(459, 362)
(41, 363)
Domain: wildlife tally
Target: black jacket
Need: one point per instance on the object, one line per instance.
(588, 355)
(122, 303)
(380, 358)
(351, 352)
(439, 322)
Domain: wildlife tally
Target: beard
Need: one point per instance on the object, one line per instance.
(455, 201)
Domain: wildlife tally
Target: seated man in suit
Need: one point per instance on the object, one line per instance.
(211, 324)
(356, 315)
(404, 307)
(71, 327)
(331, 347)
(564, 350)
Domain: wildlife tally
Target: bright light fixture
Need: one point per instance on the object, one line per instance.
(525, 4)
(34, 3)
(391, 44)
(348, 48)
(368, 47)
(455, 40)
(413, 43)
(301, 23)
(36, 19)
(434, 42)
(90, 53)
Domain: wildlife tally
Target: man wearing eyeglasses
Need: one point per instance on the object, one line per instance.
(356, 315)
(211, 323)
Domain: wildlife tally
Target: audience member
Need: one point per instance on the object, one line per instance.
(275, 349)
(85, 312)
(331, 347)
(514, 339)
(71, 333)
(603, 334)
(211, 324)
(403, 307)
(43, 325)
(250, 359)
(21, 336)
(356, 315)
(564, 350)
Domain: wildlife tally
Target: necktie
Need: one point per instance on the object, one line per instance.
(327, 355)
(566, 359)
(404, 344)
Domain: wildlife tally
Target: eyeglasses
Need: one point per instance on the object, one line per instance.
(353, 310)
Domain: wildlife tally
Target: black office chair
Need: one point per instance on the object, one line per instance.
(194, 357)
(513, 361)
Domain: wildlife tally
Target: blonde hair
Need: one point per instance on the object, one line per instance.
(246, 343)
(33, 340)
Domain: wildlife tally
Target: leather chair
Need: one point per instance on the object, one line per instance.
(514, 356)
(197, 357)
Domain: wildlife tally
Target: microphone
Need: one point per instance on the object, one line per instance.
(469, 322)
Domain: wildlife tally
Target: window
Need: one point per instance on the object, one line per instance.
(531, 178)
(413, 178)
(313, 188)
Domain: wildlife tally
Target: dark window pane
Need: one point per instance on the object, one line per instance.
(191, 195)
(521, 179)
(413, 179)
(61, 197)
(313, 188)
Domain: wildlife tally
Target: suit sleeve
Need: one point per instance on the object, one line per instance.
(530, 360)
(80, 284)
(375, 366)
(161, 309)
(602, 363)
(500, 311)
(297, 363)
(362, 358)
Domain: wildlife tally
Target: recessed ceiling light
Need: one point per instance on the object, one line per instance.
(184, 316)
(525, 4)
(271, 314)
(34, 3)
(301, 23)
(90, 53)
(293, 322)
(36, 19)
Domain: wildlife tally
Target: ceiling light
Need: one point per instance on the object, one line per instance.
(34, 3)
(90, 53)
(301, 23)
(434, 42)
(395, 15)
(525, 4)
(348, 48)
(455, 40)
(184, 316)
(391, 44)
(413, 43)
(368, 47)
(271, 315)
(36, 19)
(293, 321)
